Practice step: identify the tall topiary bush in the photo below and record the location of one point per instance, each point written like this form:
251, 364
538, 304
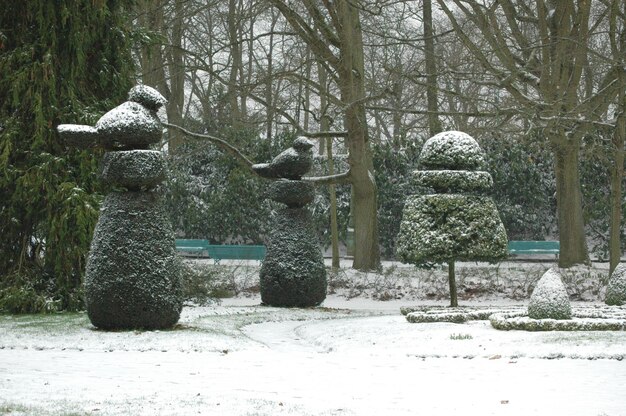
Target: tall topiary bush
60, 60
456, 221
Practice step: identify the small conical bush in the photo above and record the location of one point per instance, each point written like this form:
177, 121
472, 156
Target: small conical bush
616, 288
549, 299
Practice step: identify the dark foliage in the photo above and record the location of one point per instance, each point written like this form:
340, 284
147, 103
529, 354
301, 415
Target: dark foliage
293, 272
62, 61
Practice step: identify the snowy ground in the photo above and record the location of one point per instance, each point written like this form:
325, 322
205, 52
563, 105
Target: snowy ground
355, 356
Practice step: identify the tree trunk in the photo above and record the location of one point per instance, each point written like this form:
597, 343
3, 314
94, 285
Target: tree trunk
351, 79
235, 53
151, 16
617, 176
434, 125
269, 94
569, 205
334, 232
454, 301
176, 99
325, 126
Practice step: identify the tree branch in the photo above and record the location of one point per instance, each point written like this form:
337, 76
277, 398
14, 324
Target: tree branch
337, 179
222, 144
340, 178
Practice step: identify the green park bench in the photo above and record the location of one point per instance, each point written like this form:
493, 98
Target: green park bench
527, 248
197, 247
235, 252
221, 251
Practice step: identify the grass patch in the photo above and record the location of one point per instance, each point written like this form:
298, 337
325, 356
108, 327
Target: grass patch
459, 337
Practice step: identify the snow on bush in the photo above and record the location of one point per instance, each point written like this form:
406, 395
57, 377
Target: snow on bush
454, 315
549, 300
583, 319
76, 135
133, 169
441, 228
132, 276
293, 272
452, 150
129, 125
146, 96
293, 193
454, 180
616, 288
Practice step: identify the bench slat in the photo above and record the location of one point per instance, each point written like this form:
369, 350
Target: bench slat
236, 252
222, 251
534, 247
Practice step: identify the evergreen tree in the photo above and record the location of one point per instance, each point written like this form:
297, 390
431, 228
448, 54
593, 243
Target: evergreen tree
62, 61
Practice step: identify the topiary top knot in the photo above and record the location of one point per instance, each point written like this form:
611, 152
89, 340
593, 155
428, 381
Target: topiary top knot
452, 150
146, 96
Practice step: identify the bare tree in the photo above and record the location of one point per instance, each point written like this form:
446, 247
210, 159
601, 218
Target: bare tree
336, 40
617, 40
162, 59
536, 52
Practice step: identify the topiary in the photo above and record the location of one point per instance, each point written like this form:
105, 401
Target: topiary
616, 287
549, 300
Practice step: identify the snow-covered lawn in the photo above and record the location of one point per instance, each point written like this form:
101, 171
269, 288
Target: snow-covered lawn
351, 357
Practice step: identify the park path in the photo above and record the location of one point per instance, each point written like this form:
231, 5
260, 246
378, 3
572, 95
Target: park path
322, 367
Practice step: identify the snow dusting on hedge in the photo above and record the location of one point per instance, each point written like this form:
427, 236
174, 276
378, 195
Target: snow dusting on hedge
616, 288
549, 299
452, 150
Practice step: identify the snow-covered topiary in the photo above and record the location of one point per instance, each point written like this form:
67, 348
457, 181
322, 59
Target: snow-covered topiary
549, 300
76, 135
146, 96
451, 150
451, 225
594, 318
133, 169
128, 126
292, 193
447, 227
293, 272
616, 287
132, 276
454, 180
291, 163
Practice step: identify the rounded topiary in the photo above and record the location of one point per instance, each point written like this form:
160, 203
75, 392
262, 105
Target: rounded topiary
293, 193
549, 300
133, 273
452, 150
616, 287
133, 169
293, 272
146, 96
446, 227
128, 126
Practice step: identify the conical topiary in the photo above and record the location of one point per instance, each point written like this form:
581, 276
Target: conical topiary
549, 300
616, 288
